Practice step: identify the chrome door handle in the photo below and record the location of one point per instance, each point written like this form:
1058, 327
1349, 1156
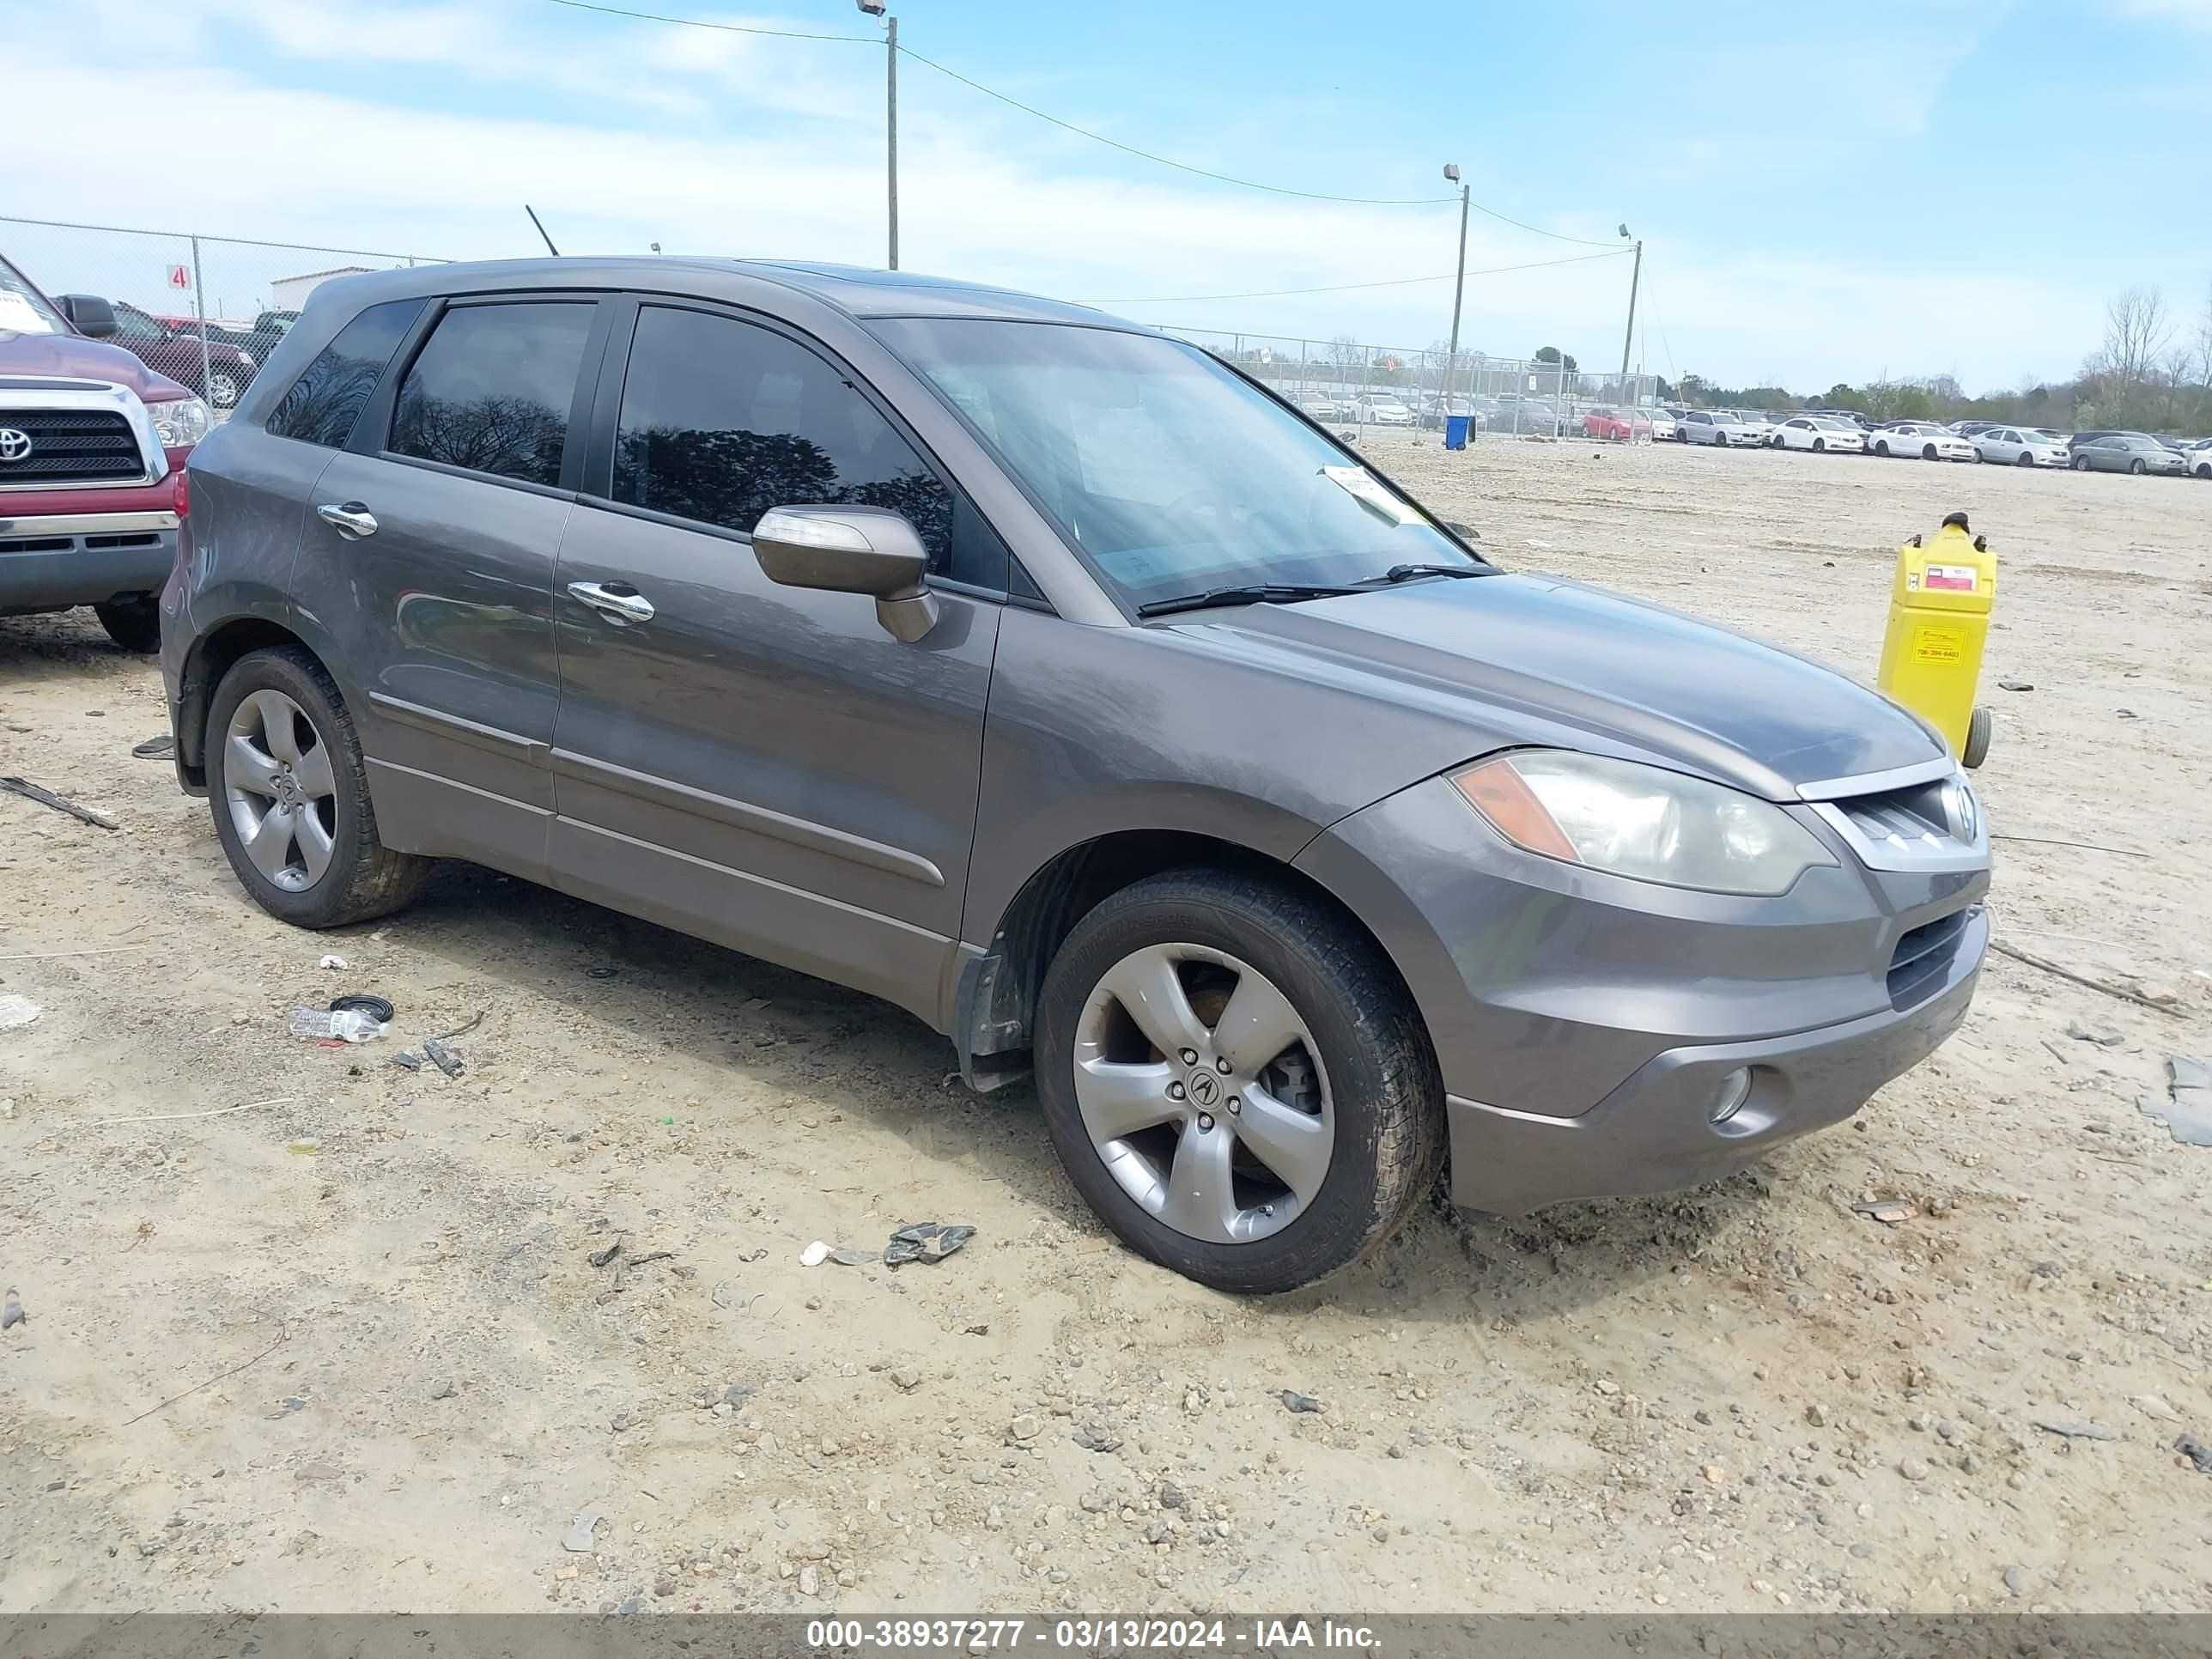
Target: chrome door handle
615, 607
351, 519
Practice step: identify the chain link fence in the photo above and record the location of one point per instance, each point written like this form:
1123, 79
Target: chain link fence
1343, 379
206, 311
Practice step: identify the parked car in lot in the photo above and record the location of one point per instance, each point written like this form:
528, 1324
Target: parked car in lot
1663, 427
2198, 458
1923, 439
1321, 409
1122, 726
1754, 422
1715, 426
2127, 451
1383, 409
175, 352
1819, 433
1620, 425
93, 444
2020, 445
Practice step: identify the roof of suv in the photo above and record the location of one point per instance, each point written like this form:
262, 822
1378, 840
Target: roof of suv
857, 290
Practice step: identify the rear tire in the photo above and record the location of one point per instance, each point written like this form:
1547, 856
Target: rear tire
1367, 1073
332, 869
1976, 749
133, 624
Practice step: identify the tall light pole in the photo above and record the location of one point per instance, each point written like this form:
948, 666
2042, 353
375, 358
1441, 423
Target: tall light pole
1458, 288
1635, 280
876, 8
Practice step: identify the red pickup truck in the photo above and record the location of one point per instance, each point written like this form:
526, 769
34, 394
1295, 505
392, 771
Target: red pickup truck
92, 444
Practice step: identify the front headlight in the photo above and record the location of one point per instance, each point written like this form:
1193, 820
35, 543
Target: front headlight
180, 423
1641, 821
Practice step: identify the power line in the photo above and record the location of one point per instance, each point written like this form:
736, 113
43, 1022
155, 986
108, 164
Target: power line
1085, 132
1347, 288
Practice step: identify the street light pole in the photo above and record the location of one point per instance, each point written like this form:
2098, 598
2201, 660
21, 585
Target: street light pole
1458, 288
876, 8
1635, 281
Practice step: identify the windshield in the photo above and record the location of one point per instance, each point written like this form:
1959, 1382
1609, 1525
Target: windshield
23, 309
1167, 471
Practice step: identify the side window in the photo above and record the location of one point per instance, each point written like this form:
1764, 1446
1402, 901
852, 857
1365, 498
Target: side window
722, 420
331, 391
491, 390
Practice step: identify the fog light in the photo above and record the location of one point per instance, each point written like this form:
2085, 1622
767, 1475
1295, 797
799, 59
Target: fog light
1735, 1089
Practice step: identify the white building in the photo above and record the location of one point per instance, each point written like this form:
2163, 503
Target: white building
290, 293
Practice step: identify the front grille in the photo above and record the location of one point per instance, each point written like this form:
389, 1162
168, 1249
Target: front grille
1916, 967
72, 446
1913, 815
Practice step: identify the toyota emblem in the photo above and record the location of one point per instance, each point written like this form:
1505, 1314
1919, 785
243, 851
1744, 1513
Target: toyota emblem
14, 445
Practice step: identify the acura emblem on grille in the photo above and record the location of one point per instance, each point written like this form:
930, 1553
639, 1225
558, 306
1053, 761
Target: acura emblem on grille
14, 446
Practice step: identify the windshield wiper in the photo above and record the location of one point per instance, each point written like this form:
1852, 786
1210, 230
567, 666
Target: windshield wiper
1249, 593
1402, 573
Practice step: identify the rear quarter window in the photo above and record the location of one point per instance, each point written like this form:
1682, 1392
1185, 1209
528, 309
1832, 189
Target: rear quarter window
324, 402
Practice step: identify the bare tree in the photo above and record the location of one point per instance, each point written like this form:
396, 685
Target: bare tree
1348, 354
2204, 341
2136, 330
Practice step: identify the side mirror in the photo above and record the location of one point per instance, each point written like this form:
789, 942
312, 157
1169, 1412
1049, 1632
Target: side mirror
851, 550
88, 314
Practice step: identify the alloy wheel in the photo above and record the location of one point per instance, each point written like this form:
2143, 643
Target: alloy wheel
281, 791
222, 389
1203, 1093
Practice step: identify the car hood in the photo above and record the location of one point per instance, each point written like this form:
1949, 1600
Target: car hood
1532, 658
71, 357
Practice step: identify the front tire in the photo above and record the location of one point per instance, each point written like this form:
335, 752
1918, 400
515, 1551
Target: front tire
1309, 1116
289, 790
2137, 468
1928, 451
133, 624
1882, 449
2024, 459
1820, 445
2081, 462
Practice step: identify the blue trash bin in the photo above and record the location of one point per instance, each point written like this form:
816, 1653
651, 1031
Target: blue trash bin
1455, 431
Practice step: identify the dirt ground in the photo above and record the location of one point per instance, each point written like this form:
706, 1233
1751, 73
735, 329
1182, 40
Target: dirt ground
345, 1348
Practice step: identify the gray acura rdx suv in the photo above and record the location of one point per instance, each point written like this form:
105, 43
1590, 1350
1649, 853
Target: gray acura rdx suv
1048, 678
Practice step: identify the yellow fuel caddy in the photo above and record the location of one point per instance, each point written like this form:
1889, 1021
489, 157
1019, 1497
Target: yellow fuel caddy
1939, 612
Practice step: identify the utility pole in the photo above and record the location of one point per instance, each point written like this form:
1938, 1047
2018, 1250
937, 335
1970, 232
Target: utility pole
1459, 288
1635, 280
876, 8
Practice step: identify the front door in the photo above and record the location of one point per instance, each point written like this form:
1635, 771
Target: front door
760, 765
429, 557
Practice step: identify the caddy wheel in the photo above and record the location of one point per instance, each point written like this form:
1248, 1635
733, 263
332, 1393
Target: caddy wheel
1235, 1081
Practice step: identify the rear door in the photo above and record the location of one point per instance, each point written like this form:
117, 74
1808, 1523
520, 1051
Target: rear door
760, 765
428, 559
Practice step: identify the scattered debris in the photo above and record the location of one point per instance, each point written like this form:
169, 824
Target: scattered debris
2016, 685
600, 1258
155, 747
2186, 1109
912, 1242
814, 1255
2015, 1582
2079, 845
846, 1257
334, 963
580, 1525
2119, 991
2196, 1451
1888, 1211
16, 1013
603, 971
2073, 1428
446, 1059
59, 803
12, 1314
376, 1007
408, 1060
442, 1388
180, 1117
2127, 713
1098, 1438
462, 1030
1293, 1401
294, 1403
2102, 1039
348, 1025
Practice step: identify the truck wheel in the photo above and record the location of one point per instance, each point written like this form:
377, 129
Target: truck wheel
222, 388
1978, 739
133, 624
1235, 1081
289, 790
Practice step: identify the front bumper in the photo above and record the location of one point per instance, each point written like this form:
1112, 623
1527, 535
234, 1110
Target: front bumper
1652, 1134
49, 561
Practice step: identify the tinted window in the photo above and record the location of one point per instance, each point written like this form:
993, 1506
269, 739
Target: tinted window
491, 390
722, 420
331, 391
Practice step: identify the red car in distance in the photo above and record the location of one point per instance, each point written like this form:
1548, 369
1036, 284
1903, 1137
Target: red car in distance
1603, 423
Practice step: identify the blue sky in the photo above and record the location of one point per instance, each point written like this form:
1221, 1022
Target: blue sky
1826, 191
